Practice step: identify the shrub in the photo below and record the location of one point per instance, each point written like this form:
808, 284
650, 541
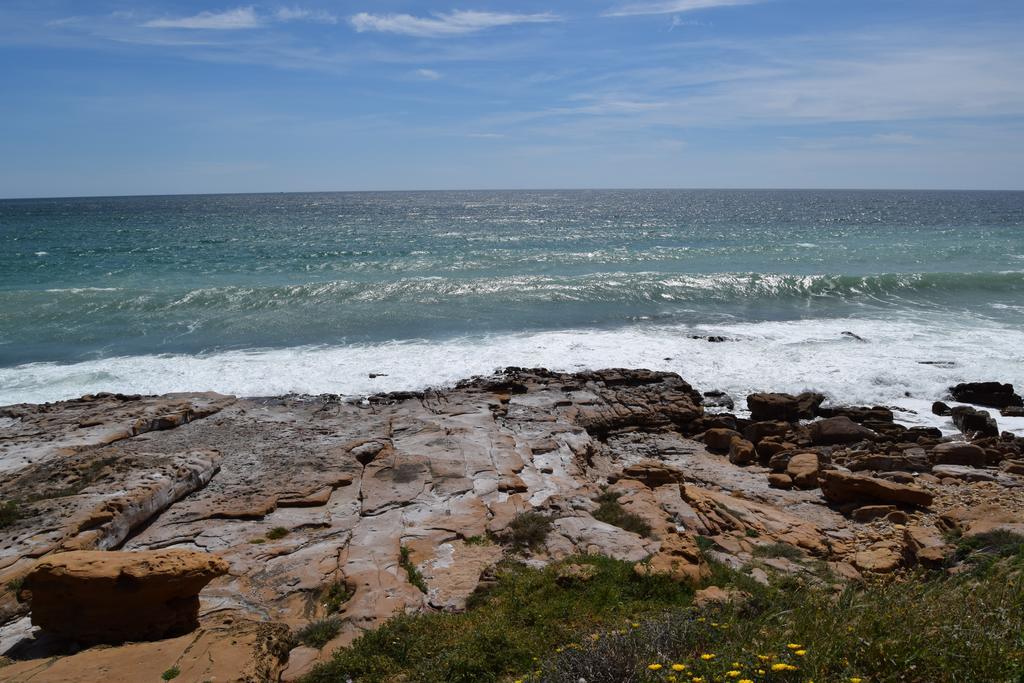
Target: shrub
528, 530
319, 633
415, 578
9, 513
611, 512
777, 550
335, 596
276, 533
171, 673
477, 540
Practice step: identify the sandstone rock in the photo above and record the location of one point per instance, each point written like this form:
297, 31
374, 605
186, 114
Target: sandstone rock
780, 481
990, 394
841, 487
958, 453
880, 558
837, 430
773, 406
962, 472
755, 432
803, 470
925, 545
741, 451
982, 519
714, 595
884, 462
653, 473
1012, 466
866, 513
678, 558
111, 597
719, 439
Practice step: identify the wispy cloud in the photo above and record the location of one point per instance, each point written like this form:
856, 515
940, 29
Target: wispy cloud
440, 25
238, 18
303, 14
428, 74
672, 7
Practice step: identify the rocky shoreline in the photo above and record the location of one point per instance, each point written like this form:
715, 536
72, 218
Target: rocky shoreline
286, 512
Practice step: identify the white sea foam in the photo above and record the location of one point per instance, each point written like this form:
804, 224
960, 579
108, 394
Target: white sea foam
887, 368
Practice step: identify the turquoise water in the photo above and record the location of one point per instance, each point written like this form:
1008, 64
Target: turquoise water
107, 292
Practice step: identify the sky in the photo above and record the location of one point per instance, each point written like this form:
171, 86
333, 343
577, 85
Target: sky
158, 97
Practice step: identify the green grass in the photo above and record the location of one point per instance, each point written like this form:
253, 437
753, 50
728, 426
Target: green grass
477, 540
9, 513
777, 550
930, 627
611, 512
335, 596
276, 533
415, 578
528, 530
526, 614
171, 673
319, 633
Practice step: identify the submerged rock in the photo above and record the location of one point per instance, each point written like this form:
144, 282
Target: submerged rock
989, 394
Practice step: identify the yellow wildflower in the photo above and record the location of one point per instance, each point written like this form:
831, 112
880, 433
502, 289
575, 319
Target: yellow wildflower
732, 674
794, 646
764, 658
654, 667
635, 624
780, 667
679, 667
707, 656
746, 680
697, 679
799, 653
856, 680
760, 672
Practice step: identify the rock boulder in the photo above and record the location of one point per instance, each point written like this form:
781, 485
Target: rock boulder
844, 487
113, 597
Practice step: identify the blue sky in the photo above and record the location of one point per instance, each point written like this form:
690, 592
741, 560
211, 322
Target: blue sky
150, 96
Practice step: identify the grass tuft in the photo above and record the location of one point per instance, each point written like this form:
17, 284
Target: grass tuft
334, 596
171, 674
277, 532
319, 633
415, 578
528, 530
611, 512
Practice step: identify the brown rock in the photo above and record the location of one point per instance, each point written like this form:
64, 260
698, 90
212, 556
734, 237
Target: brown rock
879, 558
841, 487
570, 574
653, 473
111, 597
780, 481
719, 438
803, 470
679, 558
958, 453
925, 545
1012, 466
837, 430
741, 451
713, 595
866, 513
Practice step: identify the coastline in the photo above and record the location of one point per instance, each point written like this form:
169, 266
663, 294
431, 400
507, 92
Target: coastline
361, 490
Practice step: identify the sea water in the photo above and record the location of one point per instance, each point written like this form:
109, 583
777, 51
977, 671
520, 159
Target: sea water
870, 297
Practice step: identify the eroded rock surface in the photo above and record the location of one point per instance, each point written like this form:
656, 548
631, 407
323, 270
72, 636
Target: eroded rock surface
359, 510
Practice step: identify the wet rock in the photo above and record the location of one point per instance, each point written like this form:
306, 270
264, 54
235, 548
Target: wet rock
837, 430
785, 407
1012, 411
975, 423
940, 408
989, 394
718, 399
842, 487
111, 597
859, 414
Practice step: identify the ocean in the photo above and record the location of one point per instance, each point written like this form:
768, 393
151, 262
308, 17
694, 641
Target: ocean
871, 297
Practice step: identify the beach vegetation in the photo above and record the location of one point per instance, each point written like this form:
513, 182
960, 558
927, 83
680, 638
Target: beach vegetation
276, 533
610, 511
528, 530
319, 633
411, 571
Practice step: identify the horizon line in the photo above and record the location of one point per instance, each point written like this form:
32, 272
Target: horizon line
514, 189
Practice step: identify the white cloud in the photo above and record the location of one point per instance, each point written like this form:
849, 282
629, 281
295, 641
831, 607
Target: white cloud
238, 18
439, 25
302, 14
428, 74
672, 7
